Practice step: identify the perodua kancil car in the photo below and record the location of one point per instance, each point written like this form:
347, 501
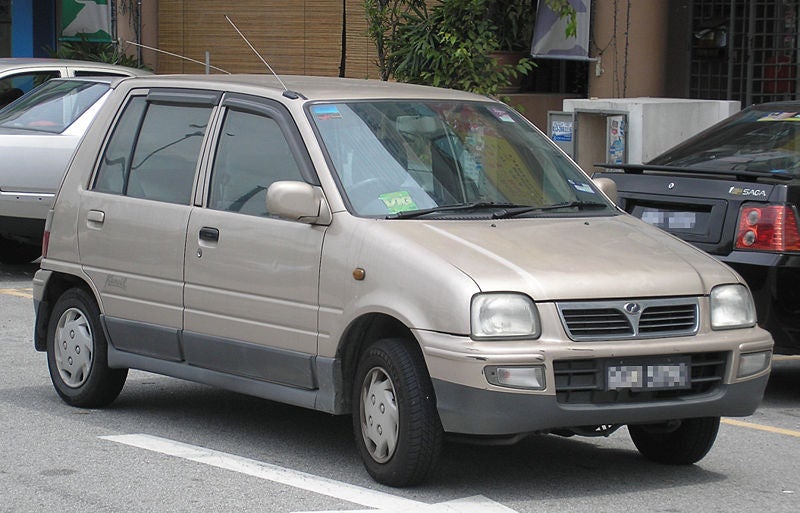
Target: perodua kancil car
422, 259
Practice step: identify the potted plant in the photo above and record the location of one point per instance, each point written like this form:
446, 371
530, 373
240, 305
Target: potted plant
452, 44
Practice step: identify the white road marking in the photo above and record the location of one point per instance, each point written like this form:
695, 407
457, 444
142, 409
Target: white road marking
384, 502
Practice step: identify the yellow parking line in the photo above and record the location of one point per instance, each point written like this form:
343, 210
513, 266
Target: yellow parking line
26, 293
761, 427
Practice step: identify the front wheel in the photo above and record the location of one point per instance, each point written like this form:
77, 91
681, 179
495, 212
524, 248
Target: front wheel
397, 427
77, 353
685, 444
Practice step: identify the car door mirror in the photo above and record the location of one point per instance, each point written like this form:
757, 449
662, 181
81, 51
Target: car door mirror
609, 188
298, 201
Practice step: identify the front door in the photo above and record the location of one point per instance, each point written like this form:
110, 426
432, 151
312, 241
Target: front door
251, 299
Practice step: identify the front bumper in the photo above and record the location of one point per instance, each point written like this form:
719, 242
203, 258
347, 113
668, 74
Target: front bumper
468, 404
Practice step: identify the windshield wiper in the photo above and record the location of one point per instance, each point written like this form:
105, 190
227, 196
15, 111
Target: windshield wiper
580, 205
408, 214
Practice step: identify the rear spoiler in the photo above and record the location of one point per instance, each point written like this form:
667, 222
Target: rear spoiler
738, 173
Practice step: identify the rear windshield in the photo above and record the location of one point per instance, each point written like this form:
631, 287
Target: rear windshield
755, 140
53, 106
394, 158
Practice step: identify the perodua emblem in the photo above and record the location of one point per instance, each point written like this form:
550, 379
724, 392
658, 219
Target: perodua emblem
633, 308
671, 185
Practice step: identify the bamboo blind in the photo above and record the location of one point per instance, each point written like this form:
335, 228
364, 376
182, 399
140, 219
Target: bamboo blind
302, 37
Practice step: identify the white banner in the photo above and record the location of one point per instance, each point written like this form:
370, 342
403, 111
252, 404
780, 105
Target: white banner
549, 33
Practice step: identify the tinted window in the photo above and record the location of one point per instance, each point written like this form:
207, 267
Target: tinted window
115, 164
252, 154
755, 140
154, 151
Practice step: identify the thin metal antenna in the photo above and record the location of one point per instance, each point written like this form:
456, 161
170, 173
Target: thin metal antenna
286, 89
178, 56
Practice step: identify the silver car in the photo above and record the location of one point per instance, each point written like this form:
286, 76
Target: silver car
421, 259
38, 135
20, 75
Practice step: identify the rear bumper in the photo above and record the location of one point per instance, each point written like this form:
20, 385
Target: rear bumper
774, 280
22, 215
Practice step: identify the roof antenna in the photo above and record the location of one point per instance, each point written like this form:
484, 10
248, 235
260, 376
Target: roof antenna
286, 92
178, 56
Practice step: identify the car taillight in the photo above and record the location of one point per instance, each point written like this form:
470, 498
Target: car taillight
768, 228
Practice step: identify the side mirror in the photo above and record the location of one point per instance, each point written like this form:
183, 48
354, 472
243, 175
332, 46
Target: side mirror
608, 186
298, 201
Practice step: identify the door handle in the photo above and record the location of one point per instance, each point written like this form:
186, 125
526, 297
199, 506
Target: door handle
209, 234
96, 216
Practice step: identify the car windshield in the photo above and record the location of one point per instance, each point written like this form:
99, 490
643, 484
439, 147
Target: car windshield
754, 140
413, 158
53, 106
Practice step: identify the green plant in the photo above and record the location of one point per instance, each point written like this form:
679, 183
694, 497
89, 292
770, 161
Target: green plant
513, 22
450, 45
85, 50
383, 19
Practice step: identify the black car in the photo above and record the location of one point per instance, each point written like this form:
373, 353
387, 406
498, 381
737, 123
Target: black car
733, 191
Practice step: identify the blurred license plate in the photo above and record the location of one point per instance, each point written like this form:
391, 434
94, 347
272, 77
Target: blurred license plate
648, 376
669, 219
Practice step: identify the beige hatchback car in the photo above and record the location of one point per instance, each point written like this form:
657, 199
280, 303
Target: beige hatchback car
422, 259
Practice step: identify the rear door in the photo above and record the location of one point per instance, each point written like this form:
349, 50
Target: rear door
251, 297
132, 222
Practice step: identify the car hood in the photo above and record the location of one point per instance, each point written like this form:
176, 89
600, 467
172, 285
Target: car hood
570, 258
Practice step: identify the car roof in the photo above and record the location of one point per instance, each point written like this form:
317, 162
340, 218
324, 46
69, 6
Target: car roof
312, 87
16, 63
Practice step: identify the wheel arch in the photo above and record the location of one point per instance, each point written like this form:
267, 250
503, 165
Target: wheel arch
359, 335
57, 284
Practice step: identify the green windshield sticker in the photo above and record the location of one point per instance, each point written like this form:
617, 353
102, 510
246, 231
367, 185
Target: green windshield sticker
399, 201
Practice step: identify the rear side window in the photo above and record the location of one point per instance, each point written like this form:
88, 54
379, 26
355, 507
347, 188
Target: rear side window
154, 150
252, 154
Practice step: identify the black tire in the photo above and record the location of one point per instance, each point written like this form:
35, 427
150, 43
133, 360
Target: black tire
77, 353
393, 401
16, 253
686, 445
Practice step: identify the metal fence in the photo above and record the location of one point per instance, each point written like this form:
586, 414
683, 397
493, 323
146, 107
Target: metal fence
744, 50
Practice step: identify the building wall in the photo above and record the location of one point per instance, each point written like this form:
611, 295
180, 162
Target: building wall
630, 38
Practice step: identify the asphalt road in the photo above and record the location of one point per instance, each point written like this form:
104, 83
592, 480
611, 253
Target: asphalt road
172, 446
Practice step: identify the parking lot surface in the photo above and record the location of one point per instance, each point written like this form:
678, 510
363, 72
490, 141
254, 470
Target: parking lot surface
169, 445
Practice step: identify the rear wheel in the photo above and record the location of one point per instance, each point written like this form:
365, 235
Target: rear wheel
397, 427
77, 353
684, 444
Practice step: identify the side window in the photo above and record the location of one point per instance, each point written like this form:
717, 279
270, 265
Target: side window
252, 154
116, 160
153, 151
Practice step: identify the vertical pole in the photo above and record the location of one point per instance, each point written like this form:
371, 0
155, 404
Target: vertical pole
730, 49
208, 62
139, 32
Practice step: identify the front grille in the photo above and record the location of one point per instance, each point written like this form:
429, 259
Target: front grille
645, 318
583, 381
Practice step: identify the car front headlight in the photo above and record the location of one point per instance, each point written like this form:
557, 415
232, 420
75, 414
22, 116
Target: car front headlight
732, 307
503, 315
